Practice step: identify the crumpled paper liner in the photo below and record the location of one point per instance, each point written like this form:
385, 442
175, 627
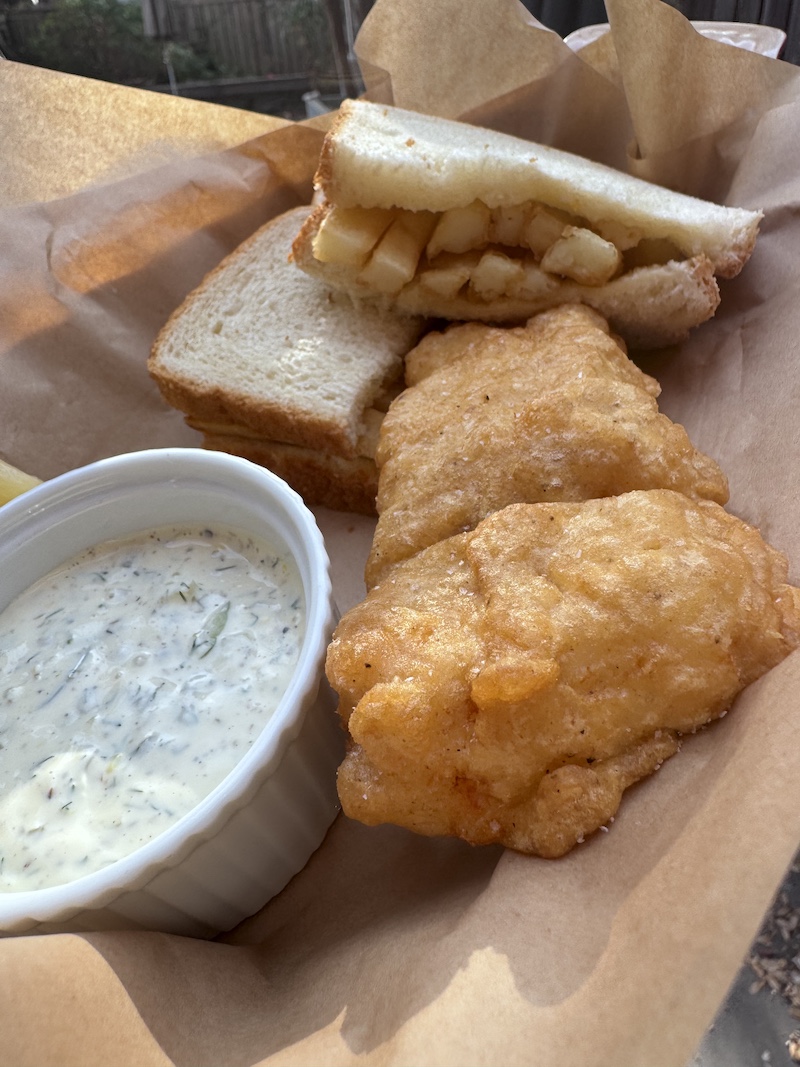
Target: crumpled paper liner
389, 948
72, 132
87, 281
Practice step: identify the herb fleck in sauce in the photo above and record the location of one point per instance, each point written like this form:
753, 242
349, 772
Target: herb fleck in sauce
132, 680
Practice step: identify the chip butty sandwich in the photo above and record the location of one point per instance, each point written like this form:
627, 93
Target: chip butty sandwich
271, 365
442, 219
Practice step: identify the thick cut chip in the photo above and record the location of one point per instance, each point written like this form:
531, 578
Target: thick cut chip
551, 411
496, 273
348, 235
583, 256
508, 684
394, 260
543, 229
461, 229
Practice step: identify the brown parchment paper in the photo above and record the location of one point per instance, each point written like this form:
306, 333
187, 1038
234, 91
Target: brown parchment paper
388, 948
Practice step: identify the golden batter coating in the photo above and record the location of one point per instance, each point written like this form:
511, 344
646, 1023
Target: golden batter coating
508, 684
552, 411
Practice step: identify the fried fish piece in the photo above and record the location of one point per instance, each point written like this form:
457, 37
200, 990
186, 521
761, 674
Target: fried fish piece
508, 684
552, 411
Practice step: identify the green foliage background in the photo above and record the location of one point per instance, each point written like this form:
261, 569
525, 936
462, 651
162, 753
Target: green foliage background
104, 39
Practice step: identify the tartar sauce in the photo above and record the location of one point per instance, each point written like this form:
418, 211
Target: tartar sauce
132, 680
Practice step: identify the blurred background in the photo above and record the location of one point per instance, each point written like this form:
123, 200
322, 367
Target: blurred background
281, 57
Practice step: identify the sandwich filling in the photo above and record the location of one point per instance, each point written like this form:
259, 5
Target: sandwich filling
522, 251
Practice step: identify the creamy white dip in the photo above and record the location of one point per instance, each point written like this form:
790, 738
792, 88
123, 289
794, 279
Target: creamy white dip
132, 680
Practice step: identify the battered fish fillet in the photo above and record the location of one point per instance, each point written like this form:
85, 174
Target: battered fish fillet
550, 411
508, 684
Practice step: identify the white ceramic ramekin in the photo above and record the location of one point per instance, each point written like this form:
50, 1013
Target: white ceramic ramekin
240, 846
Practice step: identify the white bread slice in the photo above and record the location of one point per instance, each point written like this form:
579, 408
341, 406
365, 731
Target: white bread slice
344, 484
668, 247
380, 156
366, 443
338, 482
261, 345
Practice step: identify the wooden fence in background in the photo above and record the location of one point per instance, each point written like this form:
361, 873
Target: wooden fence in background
243, 38
256, 37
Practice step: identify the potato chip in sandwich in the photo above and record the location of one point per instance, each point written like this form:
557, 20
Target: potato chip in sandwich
443, 219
